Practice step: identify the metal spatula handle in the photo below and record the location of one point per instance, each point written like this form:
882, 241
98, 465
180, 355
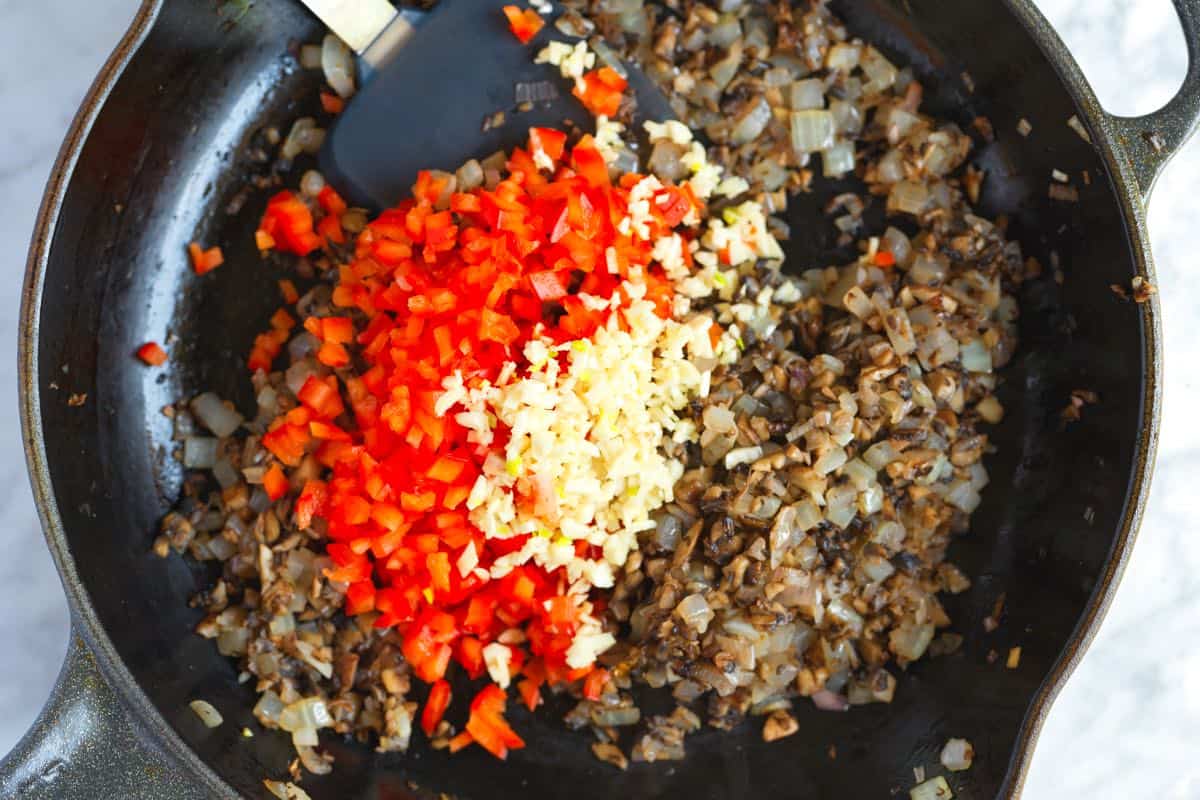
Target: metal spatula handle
371, 28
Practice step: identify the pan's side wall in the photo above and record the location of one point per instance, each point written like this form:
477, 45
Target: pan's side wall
161, 164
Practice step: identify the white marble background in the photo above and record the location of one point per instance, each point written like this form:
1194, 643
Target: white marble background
1127, 724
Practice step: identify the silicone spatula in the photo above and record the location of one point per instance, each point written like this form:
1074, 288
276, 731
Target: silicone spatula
431, 85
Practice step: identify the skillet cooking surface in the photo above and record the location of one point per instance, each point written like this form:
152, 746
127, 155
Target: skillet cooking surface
169, 149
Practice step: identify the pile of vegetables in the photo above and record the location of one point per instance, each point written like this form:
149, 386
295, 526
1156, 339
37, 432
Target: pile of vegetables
453, 283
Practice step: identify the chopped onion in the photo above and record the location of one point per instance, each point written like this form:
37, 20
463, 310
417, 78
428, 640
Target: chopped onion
311, 183
860, 473
838, 160
666, 160
840, 509
829, 701
890, 168
812, 130
770, 173
932, 789
990, 410
900, 123
268, 708
200, 452
185, 425
337, 62
751, 122
695, 612
890, 534
309, 712
615, 717
207, 714
282, 624
286, 791
937, 347
843, 613
899, 330
233, 642
910, 640
298, 374
213, 414
785, 534
877, 568
929, 269
667, 531
957, 755
847, 117
962, 496
843, 56
311, 140
307, 653
830, 460
856, 302
226, 475
807, 94
808, 515
470, 175
267, 400
777, 77
303, 344
896, 242
909, 197
305, 737
719, 419
742, 455
975, 356
726, 32
293, 145
870, 501
880, 72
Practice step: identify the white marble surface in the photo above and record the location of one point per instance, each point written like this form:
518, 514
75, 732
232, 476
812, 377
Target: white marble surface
1126, 725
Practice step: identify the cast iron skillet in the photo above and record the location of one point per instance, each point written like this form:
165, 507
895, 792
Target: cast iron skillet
153, 157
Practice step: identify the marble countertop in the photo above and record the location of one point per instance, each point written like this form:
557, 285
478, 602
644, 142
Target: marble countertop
1126, 724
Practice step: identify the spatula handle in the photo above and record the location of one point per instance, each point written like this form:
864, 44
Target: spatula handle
358, 23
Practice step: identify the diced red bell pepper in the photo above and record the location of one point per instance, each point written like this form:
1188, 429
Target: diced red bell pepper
205, 261
594, 683
548, 141
289, 223
153, 354
275, 483
600, 91
288, 290
524, 24
360, 598
468, 651
435, 706
487, 725
332, 103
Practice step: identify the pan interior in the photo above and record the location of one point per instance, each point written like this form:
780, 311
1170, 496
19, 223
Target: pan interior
153, 179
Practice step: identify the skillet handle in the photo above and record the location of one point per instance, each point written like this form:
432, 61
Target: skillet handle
1149, 142
84, 746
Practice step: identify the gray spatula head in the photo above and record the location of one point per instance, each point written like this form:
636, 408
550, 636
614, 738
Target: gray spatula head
426, 107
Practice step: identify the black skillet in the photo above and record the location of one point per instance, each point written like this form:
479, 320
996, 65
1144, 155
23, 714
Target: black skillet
154, 156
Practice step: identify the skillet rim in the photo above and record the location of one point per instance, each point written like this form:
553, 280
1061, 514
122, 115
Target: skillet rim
86, 624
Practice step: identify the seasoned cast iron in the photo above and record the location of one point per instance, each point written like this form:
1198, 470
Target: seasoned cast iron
151, 161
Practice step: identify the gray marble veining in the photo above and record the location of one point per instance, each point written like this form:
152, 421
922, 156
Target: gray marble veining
1126, 724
